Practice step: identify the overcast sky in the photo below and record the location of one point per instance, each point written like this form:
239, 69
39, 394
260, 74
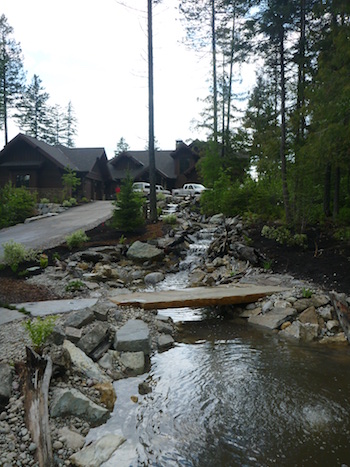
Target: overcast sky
94, 53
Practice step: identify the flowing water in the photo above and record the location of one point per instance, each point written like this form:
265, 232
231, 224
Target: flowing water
229, 394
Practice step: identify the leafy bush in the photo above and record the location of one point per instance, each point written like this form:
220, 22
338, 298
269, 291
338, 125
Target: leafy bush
16, 204
43, 260
76, 239
44, 201
39, 330
128, 215
16, 253
170, 219
73, 201
284, 236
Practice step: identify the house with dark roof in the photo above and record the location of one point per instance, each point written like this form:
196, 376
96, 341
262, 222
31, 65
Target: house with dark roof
173, 168
26, 161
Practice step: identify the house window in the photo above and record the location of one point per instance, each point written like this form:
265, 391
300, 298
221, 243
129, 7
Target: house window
22, 180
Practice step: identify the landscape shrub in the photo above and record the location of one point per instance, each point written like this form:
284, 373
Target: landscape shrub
284, 236
16, 253
76, 239
44, 201
39, 330
170, 219
128, 213
16, 204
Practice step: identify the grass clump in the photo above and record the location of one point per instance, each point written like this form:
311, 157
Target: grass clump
76, 239
74, 286
39, 330
170, 219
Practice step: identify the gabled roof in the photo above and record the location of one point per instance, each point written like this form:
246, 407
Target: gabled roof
52, 152
83, 158
163, 162
78, 159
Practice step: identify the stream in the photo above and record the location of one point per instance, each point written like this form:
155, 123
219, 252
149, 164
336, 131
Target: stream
229, 394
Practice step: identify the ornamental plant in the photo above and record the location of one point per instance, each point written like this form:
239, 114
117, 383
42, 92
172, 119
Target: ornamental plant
128, 215
76, 239
39, 330
16, 253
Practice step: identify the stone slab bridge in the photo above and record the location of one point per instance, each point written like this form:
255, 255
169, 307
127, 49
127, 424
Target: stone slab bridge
195, 296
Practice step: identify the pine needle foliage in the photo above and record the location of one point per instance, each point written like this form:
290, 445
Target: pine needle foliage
128, 213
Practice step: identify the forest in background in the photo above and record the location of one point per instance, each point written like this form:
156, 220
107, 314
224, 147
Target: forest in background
294, 134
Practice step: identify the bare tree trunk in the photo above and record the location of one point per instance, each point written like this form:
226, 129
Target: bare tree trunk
327, 191
152, 165
336, 193
215, 87
283, 131
229, 98
38, 375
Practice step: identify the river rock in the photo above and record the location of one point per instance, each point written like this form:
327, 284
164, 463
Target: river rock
140, 251
306, 332
97, 452
217, 219
5, 384
153, 278
107, 394
84, 364
134, 362
96, 337
274, 318
73, 402
134, 336
71, 439
80, 318
308, 316
165, 341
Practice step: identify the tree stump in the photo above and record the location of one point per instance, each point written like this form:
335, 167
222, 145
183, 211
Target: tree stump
36, 392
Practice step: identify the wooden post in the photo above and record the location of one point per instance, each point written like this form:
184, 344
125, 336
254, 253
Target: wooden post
343, 312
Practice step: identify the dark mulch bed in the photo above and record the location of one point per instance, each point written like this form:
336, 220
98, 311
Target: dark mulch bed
325, 261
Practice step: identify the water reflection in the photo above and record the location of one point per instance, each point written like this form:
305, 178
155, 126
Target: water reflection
238, 397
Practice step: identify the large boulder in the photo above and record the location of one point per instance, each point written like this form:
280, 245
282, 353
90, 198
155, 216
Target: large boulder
274, 318
306, 332
84, 364
96, 337
140, 251
134, 362
73, 402
134, 336
97, 452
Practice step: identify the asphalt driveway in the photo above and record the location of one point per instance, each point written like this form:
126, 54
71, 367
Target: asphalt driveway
49, 232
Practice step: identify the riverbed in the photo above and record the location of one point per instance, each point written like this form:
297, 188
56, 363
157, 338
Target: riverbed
231, 394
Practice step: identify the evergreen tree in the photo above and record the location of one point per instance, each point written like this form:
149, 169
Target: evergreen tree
11, 73
127, 214
69, 125
34, 112
122, 146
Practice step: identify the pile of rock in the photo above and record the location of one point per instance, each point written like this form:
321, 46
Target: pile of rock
294, 315
89, 349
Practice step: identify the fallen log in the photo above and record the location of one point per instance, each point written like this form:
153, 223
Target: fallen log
36, 393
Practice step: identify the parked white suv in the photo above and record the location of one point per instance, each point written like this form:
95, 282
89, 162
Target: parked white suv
143, 187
